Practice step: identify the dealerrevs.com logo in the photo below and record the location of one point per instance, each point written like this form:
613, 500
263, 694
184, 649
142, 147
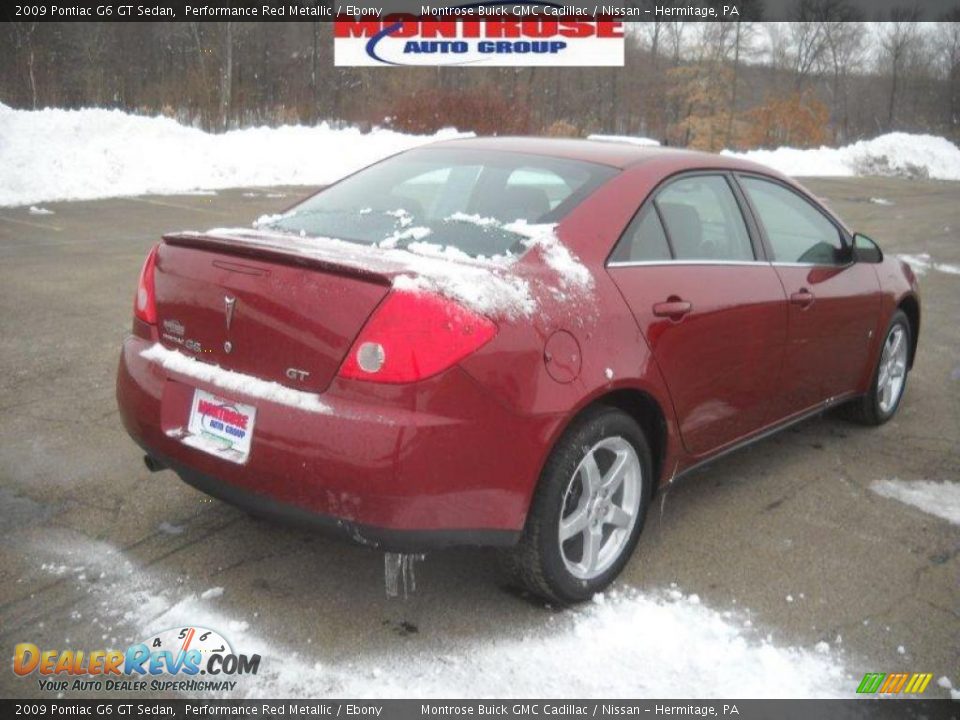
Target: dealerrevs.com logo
399, 41
185, 659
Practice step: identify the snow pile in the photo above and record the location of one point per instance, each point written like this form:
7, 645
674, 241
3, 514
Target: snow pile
945, 683
894, 154
937, 498
922, 262
213, 592
234, 381
86, 154
53, 154
625, 644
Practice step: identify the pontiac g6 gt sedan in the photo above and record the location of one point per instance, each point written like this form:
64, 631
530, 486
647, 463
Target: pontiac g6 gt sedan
510, 342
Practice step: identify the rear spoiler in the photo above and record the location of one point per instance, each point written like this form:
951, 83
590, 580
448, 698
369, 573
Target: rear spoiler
274, 251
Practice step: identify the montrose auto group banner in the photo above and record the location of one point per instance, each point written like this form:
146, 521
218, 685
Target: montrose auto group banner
489, 43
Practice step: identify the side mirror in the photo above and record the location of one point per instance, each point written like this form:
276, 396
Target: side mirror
866, 250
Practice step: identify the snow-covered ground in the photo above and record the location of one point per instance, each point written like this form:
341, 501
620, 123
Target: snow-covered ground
625, 644
937, 498
897, 154
922, 262
49, 155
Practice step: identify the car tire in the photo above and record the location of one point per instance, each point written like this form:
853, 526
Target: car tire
567, 572
876, 408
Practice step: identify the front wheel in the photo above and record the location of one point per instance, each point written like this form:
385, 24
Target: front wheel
588, 509
889, 377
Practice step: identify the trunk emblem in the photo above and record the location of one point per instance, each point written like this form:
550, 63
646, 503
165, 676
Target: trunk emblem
174, 327
297, 374
229, 303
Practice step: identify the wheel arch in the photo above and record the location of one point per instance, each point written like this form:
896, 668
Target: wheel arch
644, 408
911, 308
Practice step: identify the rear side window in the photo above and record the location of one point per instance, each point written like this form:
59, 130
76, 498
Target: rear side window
644, 240
703, 220
796, 230
546, 184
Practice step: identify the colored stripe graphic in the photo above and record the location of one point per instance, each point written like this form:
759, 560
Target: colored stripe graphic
893, 683
871, 682
918, 683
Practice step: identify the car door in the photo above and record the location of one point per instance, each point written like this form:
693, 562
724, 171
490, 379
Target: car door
713, 314
833, 302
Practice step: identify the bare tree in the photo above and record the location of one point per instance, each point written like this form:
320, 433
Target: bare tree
23, 34
807, 42
751, 11
948, 51
898, 38
845, 50
226, 75
674, 32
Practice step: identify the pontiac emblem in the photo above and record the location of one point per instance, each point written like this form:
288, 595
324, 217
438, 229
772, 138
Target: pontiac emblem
229, 303
174, 327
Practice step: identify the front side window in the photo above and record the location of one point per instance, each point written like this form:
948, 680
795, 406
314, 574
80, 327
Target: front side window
459, 198
796, 230
703, 220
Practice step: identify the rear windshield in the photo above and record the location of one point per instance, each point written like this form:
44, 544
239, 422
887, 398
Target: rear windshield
460, 198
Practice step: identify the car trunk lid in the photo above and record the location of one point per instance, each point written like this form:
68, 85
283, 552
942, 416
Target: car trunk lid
262, 308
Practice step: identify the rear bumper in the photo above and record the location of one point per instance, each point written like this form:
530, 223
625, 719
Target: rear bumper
379, 537
401, 469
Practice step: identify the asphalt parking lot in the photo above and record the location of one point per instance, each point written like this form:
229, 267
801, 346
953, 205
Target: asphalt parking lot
791, 516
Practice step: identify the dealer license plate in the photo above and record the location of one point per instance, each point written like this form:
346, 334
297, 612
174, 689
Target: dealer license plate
220, 427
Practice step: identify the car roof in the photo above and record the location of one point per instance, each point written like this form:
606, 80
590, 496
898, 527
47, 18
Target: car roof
615, 153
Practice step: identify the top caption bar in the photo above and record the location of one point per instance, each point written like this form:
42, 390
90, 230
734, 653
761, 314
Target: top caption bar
287, 10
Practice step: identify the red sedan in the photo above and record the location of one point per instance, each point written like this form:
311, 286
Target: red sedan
509, 342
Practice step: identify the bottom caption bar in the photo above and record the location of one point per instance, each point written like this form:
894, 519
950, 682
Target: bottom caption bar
423, 709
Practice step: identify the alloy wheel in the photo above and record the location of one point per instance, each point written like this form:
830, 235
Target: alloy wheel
893, 369
600, 508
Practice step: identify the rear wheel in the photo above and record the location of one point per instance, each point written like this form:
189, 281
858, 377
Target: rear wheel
889, 377
588, 509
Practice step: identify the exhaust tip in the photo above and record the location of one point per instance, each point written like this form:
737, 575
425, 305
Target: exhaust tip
153, 465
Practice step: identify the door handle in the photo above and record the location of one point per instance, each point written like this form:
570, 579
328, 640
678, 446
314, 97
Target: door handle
804, 298
674, 308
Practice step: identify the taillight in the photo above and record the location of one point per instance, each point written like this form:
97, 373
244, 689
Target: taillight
413, 336
145, 303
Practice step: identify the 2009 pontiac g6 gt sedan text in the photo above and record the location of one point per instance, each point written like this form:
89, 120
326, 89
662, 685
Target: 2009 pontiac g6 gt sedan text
508, 342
